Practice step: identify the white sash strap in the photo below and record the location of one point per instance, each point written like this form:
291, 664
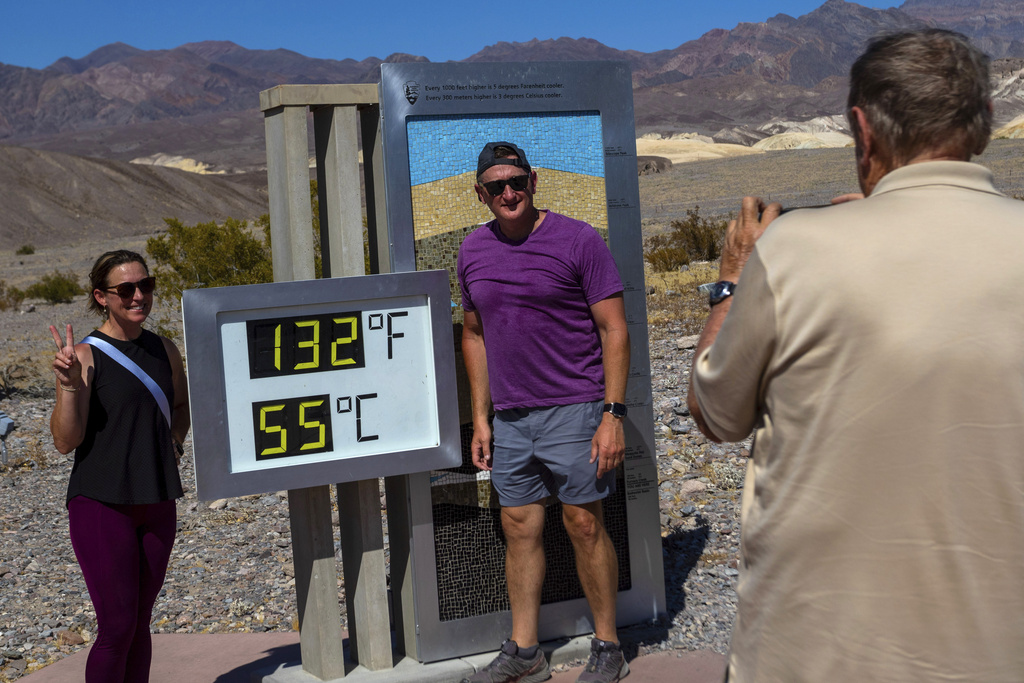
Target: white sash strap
130, 365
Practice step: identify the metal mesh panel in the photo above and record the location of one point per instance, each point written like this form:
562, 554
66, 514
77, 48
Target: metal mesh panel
470, 546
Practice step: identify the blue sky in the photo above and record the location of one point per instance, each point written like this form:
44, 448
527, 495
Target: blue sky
36, 34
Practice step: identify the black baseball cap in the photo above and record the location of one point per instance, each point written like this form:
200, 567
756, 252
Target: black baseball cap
487, 158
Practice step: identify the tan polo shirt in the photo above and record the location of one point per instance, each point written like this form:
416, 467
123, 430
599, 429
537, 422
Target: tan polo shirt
877, 348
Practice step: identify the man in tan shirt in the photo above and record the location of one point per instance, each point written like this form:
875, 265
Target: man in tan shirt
876, 348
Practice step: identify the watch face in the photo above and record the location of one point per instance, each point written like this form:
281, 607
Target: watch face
616, 409
721, 291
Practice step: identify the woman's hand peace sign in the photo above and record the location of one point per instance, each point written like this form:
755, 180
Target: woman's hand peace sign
66, 365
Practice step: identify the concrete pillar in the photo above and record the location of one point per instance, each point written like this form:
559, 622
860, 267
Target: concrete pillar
366, 590
291, 219
337, 171
316, 582
376, 204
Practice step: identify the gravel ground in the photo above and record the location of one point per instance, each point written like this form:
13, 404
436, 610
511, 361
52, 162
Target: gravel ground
231, 566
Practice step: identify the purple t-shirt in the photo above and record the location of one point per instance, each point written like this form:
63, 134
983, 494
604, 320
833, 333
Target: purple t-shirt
533, 298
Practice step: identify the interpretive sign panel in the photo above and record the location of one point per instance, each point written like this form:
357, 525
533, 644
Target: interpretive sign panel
574, 121
295, 384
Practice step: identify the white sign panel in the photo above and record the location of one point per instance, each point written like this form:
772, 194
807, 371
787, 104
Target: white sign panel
293, 382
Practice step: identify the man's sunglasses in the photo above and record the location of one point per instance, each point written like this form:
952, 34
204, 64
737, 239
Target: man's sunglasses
126, 290
518, 183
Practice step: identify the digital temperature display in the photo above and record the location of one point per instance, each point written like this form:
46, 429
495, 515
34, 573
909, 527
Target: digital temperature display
297, 426
290, 346
301, 379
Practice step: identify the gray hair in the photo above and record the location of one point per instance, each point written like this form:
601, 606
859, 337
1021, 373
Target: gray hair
923, 91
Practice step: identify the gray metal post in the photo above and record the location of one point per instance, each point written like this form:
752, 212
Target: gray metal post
362, 535
376, 202
291, 221
316, 582
400, 513
337, 170
366, 590
291, 218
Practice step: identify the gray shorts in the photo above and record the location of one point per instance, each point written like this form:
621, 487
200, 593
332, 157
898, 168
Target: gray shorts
541, 452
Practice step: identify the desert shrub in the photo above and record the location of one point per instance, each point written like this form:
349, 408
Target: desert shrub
221, 255
231, 253
56, 288
664, 254
674, 305
695, 238
10, 297
210, 255
8, 377
21, 375
26, 250
205, 255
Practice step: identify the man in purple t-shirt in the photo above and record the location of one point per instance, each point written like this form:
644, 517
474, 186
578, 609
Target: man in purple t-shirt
545, 342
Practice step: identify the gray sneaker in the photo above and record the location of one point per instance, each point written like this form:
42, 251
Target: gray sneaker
509, 667
607, 664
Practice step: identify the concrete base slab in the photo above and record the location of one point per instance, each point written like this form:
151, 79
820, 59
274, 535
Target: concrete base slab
408, 670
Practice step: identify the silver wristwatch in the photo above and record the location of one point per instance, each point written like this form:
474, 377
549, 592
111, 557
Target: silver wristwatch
721, 291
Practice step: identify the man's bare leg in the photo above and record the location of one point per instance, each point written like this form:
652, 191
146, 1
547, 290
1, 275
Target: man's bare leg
524, 568
596, 564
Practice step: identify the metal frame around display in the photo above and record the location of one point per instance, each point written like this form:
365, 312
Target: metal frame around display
605, 88
206, 310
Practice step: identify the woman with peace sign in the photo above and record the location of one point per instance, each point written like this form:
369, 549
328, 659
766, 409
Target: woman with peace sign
122, 406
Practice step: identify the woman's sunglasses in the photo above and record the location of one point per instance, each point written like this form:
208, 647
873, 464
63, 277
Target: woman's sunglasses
126, 290
518, 183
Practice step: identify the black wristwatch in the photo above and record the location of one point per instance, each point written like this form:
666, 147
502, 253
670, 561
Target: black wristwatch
721, 291
617, 410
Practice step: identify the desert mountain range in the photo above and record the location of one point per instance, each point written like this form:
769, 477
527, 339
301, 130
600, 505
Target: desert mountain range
196, 106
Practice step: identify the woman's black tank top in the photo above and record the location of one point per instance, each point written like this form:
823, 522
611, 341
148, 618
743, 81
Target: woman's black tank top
127, 455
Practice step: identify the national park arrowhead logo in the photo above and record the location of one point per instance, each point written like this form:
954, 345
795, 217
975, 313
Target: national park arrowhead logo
412, 91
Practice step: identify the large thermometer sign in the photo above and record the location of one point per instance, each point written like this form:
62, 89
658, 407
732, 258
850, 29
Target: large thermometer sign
298, 384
